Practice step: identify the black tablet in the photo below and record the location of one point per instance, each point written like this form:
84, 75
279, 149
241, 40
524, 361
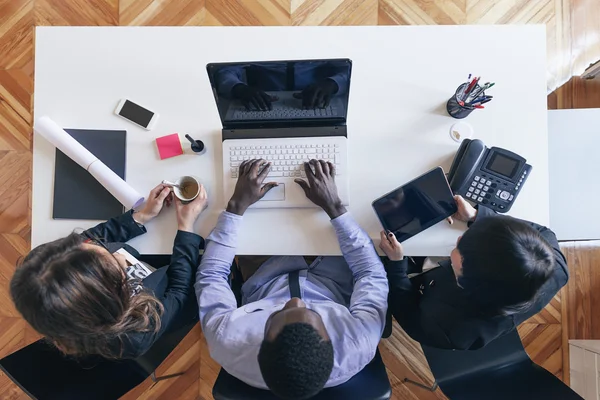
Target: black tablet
416, 206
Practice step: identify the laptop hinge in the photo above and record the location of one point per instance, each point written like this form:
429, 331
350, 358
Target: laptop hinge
277, 133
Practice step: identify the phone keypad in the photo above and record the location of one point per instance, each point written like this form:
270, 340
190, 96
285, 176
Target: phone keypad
480, 190
493, 191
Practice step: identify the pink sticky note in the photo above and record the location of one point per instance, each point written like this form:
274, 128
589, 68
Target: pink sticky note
169, 146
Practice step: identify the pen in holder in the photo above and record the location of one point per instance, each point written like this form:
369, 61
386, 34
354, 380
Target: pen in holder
196, 146
456, 106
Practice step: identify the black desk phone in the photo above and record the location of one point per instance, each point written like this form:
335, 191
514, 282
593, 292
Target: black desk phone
492, 177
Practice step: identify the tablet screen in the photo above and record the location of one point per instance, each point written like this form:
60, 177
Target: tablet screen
417, 205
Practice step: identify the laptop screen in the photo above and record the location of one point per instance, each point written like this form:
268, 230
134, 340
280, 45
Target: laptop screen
276, 92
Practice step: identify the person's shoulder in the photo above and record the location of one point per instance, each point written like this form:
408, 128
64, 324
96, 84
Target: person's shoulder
344, 328
132, 344
353, 349
244, 326
560, 271
475, 333
549, 289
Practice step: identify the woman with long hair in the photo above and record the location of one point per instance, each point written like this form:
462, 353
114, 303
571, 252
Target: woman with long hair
502, 271
89, 294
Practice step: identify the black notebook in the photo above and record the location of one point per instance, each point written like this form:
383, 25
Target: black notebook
77, 194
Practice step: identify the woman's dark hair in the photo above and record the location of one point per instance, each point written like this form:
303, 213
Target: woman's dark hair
297, 364
505, 264
80, 299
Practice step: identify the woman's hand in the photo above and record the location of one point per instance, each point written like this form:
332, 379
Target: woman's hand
187, 214
466, 212
159, 196
391, 247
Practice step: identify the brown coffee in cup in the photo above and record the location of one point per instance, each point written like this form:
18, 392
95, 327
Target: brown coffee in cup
188, 189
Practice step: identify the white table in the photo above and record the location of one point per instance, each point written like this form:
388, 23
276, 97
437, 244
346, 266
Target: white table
397, 123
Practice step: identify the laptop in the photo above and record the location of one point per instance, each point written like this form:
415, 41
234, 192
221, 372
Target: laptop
286, 112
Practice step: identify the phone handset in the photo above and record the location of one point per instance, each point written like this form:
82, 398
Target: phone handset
465, 162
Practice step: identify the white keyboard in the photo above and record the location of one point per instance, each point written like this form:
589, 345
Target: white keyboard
287, 157
286, 160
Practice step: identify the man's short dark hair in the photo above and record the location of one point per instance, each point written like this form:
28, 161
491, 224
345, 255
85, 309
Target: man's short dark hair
505, 264
297, 364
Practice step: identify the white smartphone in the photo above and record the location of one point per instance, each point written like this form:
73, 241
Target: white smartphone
137, 114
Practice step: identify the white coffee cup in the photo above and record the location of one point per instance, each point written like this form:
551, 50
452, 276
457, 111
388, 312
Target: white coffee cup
189, 188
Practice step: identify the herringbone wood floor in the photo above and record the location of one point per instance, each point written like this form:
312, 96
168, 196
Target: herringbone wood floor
543, 335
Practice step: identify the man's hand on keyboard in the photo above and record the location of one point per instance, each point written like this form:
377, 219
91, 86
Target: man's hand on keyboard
252, 97
321, 188
249, 187
318, 94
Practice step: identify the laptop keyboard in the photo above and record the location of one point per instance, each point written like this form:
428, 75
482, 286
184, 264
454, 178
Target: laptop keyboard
286, 160
283, 113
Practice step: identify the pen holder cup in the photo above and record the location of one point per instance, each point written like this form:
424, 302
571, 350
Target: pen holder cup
454, 108
198, 150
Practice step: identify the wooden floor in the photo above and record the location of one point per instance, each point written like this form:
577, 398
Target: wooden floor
573, 27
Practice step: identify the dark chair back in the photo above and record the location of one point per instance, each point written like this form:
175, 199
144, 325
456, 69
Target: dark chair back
499, 371
161, 349
371, 383
42, 372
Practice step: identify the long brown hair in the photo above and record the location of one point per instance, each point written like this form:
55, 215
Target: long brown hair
80, 299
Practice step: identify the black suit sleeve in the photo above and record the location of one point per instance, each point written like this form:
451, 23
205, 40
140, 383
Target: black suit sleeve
118, 229
179, 291
404, 303
184, 261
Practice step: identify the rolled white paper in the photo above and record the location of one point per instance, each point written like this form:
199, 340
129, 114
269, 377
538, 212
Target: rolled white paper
112, 182
126, 195
64, 142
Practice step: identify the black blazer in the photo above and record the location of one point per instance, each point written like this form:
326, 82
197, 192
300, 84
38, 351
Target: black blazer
435, 311
172, 285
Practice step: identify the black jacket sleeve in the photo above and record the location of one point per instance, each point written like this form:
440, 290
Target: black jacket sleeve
184, 261
177, 295
404, 304
401, 290
118, 229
